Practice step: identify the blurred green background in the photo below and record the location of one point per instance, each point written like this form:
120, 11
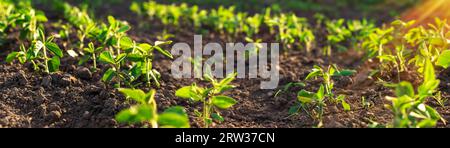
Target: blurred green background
379, 9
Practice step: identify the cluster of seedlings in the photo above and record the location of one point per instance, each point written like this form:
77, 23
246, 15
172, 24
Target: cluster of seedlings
292, 31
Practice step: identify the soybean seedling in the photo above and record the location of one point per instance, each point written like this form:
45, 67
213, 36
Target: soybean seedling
83, 31
144, 55
332, 71
39, 53
289, 86
316, 101
211, 98
146, 111
409, 108
51, 64
91, 54
310, 101
114, 71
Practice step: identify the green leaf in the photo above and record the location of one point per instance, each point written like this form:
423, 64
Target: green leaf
53, 64
344, 73
126, 43
174, 117
217, 117
438, 41
109, 75
40, 16
313, 74
228, 79
294, 109
98, 49
54, 49
429, 73
207, 75
135, 57
31, 53
120, 57
164, 52
11, 57
190, 92
136, 114
305, 97
111, 20
88, 50
176, 109
185, 92
404, 89
224, 88
144, 47
387, 58
160, 43
106, 57
136, 70
427, 123
223, 102
345, 105
434, 114
428, 88
321, 93
444, 59
173, 120
124, 28
135, 94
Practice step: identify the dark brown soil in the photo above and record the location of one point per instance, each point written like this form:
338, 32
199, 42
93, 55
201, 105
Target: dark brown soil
76, 97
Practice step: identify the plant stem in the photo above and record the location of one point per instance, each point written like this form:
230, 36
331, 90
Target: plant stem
154, 124
118, 53
147, 66
152, 101
118, 75
95, 61
206, 115
46, 60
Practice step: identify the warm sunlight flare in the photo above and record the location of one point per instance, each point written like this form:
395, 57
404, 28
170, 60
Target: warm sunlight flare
428, 10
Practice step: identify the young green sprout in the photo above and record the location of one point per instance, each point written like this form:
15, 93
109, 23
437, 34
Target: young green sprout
409, 108
91, 54
146, 111
332, 71
19, 55
114, 71
51, 64
211, 98
39, 52
143, 54
317, 101
83, 31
